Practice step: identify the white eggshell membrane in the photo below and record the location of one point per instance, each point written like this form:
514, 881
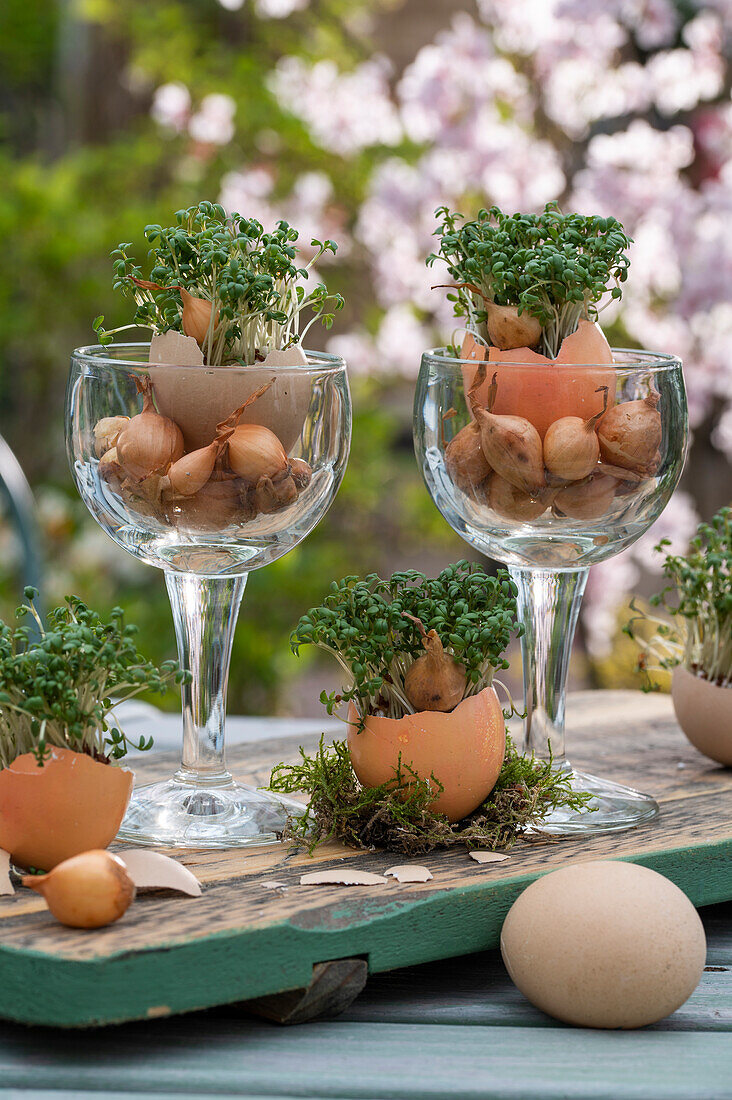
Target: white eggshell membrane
604, 944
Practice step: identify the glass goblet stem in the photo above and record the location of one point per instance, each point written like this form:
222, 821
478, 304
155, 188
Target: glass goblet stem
205, 610
548, 605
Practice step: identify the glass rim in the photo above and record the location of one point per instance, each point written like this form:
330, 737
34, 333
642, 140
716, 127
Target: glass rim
633, 359
98, 354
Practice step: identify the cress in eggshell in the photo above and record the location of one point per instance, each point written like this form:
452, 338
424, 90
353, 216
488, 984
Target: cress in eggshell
552, 433
421, 654
464, 748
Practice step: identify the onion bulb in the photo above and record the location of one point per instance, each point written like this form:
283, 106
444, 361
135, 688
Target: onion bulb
508, 329
302, 473
271, 495
571, 447
630, 435
86, 891
511, 444
436, 680
106, 432
464, 459
149, 442
589, 499
196, 316
512, 503
256, 452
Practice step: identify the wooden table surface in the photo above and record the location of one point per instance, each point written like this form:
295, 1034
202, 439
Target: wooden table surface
454, 1029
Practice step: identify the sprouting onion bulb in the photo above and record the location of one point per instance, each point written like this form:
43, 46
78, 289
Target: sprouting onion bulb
86, 891
196, 316
436, 680
149, 442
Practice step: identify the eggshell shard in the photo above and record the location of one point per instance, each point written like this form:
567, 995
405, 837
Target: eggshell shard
152, 870
6, 886
604, 944
294, 356
344, 876
487, 857
409, 872
176, 350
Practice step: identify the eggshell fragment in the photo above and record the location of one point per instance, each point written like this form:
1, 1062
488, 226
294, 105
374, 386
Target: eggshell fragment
409, 872
6, 886
156, 871
270, 884
342, 876
175, 349
293, 356
487, 857
604, 944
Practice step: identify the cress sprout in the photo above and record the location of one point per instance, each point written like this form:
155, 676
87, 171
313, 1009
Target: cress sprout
59, 680
223, 279
552, 266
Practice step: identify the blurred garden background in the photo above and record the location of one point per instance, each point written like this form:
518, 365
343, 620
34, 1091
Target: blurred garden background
354, 119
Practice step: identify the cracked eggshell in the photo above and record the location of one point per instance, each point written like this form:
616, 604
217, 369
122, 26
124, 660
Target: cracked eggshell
487, 857
704, 712
530, 385
66, 806
604, 944
199, 399
464, 750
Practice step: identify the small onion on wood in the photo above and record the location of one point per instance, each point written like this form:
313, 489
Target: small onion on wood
86, 891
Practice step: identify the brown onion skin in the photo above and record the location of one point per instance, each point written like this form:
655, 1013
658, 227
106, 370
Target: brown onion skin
465, 461
630, 436
87, 891
508, 329
512, 446
590, 500
512, 503
255, 452
571, 448
149, 442
436, 680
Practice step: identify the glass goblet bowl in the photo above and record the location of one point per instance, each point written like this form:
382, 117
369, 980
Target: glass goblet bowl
206, 494
617, 464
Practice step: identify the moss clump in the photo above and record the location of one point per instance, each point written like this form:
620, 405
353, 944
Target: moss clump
396, 816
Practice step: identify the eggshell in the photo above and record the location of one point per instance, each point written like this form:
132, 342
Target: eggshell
535, 389
464, 750
604, 944
704, 712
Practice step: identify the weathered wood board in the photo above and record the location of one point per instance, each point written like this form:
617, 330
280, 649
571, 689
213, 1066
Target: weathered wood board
239, 940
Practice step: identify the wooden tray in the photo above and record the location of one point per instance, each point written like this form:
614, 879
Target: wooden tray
240, 941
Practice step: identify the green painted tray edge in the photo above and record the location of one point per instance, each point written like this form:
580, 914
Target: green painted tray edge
226, 967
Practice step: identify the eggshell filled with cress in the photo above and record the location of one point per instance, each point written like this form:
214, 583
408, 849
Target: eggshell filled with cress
463, 749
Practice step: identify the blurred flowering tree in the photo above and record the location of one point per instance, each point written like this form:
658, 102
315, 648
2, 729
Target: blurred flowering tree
354, 119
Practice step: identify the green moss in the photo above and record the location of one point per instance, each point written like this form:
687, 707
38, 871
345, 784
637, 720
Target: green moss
396, 815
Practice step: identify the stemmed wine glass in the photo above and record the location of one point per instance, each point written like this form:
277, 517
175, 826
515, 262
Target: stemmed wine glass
550, 536
261, 492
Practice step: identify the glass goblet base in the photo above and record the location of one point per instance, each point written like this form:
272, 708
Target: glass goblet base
613, 808
177, 814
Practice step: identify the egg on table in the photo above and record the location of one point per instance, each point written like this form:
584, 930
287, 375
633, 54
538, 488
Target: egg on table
604, 944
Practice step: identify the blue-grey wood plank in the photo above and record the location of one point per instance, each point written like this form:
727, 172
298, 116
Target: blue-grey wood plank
391, 1062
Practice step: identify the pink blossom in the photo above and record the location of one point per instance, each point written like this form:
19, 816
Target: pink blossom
213, 122
171, 106
345, 112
